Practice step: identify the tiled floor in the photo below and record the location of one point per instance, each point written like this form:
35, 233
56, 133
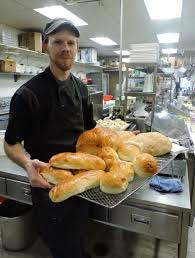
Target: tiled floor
113, 243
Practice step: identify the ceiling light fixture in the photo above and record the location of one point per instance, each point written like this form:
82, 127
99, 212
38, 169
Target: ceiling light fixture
169, 50
104, 41
124, 52
58, 11
167, 38
164, 9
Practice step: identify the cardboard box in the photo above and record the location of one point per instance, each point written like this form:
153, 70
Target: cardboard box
7, 65
22, 38
31, 40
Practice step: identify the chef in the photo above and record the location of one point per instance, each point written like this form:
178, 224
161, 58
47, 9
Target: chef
47, 115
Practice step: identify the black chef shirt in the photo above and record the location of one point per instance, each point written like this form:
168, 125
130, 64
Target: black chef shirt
31, 107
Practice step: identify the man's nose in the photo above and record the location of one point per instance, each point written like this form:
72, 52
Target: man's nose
65, 47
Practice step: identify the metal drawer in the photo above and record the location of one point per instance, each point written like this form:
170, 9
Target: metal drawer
19, 191
2, 186
157, 224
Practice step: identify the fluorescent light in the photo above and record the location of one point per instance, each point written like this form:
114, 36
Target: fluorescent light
167, 38
169, 50
58, 11
124, 52
164, 9
104, 41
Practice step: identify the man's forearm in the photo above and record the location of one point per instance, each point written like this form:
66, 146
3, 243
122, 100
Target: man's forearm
17, 154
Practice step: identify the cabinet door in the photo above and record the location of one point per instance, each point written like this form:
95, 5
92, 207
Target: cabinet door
157, 224
2, 186
19, 191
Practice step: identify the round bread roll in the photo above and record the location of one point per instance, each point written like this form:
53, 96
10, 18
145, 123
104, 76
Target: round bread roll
145, 165
153, 143
88, 148
109, 155
55, 176
76, 185
113, 183
128, 152
126, 168
69, 160
125, 136
99, 136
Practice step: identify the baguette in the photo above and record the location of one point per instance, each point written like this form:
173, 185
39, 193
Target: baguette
76, 185
55, 176
69, 160
109, 155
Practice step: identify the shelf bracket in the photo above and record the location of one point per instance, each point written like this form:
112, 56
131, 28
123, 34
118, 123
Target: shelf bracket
16, 77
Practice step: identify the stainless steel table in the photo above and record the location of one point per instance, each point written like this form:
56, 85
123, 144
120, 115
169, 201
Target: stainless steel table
163, 216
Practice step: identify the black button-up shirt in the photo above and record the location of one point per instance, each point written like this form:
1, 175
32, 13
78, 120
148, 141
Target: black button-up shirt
32, 105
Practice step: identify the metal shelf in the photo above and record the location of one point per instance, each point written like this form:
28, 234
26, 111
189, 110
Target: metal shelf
140, 94
28, 52
23, 50
17, 75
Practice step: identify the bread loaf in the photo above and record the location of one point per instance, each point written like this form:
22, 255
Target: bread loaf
153, 143
125, 136
69, 160
128, 152
99, 136
109, 155
89, 148
113, 183
126, 168
145, 165
55, 176
76, 185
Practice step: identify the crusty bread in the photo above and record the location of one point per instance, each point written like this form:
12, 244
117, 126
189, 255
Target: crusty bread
76, 185
154, 143
109, 155
145, 165
113, 183
128, 152
123, 167
89, 148
55, 176
125, 136
100, 136
69, 160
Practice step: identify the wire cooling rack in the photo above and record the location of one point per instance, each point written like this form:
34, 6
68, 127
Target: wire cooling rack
112, 200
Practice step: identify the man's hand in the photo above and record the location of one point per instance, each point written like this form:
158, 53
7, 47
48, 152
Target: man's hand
35, 179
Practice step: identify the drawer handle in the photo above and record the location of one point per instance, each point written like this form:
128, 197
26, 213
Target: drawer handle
140, 219
26, 191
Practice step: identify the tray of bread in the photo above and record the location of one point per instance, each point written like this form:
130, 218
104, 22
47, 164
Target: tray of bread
108, 166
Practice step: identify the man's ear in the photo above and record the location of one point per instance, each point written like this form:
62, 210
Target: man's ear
45, 48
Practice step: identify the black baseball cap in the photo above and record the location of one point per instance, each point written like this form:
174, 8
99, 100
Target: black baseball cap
57, 23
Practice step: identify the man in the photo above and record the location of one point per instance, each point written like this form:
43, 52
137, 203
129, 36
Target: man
48, 113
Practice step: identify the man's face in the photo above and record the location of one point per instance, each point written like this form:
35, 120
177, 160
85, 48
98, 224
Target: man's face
62, 48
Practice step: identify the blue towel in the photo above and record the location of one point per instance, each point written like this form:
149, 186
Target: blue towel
165, 185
